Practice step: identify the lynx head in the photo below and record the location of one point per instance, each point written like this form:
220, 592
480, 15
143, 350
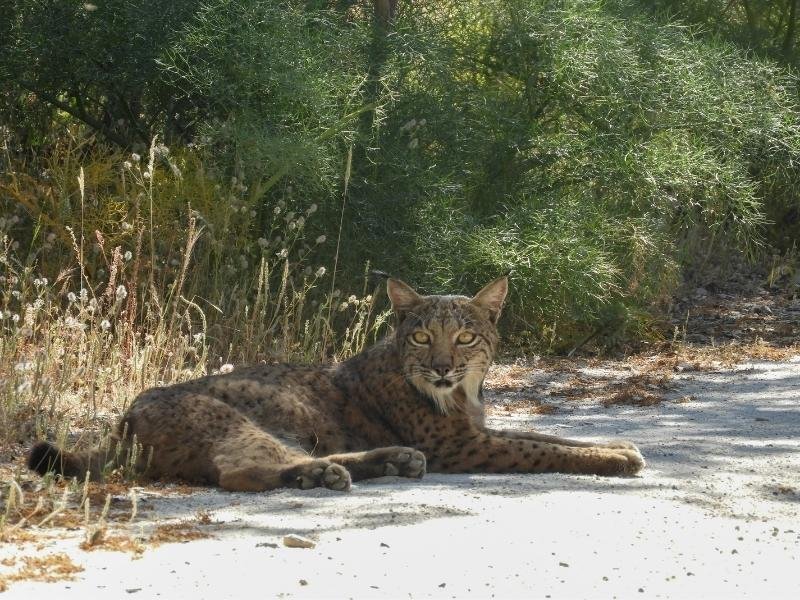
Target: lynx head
447, 342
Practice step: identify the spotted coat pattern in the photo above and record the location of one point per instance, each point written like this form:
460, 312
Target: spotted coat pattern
408, 404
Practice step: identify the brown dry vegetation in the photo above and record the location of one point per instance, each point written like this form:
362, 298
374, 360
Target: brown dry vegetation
120, 540
37, 512
82, 333
753, 315
119, 272
48, 568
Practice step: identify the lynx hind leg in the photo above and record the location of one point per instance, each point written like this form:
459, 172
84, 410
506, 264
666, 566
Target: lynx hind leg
305, 475
392, 460
251, 460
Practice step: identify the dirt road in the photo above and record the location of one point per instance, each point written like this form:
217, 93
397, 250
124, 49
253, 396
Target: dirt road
714, 515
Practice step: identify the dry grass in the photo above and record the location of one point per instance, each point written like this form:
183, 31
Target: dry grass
520, 393
166, 533
110, 283
705, 358
510, 378
639, 390
39, 511
113, 543
529, 405
72, 360
632, 388
641, 381
182, 531
36, 509
31, 507
48, 568
644, 379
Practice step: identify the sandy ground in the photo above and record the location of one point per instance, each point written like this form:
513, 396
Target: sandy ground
714, 515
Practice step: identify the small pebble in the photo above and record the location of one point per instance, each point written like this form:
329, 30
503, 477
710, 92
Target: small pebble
297, 541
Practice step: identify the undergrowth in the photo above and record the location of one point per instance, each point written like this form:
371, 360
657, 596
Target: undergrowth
122, 272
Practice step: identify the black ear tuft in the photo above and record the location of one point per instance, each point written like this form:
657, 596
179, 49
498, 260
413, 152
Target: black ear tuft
376, 274
44, 458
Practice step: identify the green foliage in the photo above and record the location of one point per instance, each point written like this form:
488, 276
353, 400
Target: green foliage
279, 82
98, 62
768, 27
590, 147
580, 145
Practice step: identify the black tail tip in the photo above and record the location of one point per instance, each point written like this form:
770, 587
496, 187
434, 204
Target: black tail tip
44, 458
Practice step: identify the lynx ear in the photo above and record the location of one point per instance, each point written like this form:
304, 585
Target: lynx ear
402, 295
491, 297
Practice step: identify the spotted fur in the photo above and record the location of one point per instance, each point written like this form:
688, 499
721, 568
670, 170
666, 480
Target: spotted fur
409, 403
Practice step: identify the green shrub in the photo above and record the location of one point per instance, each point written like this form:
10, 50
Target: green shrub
282, 84
95, 62
578, 144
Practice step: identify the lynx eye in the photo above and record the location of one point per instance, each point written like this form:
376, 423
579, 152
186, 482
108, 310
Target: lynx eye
421, 338
465, 337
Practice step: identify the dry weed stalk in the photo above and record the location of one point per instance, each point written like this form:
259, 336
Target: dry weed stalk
153, 295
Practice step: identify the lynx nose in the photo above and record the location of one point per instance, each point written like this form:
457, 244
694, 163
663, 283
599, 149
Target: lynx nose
441, 370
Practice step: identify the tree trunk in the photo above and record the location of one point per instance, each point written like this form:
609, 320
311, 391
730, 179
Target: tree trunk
752, 17
385, 11
791, 28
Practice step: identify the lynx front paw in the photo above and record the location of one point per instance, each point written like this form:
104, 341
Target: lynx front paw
632, 462
336, 477
608, 461
406, 462
321, 473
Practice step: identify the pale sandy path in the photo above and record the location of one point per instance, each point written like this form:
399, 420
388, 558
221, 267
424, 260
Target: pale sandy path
715, 515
